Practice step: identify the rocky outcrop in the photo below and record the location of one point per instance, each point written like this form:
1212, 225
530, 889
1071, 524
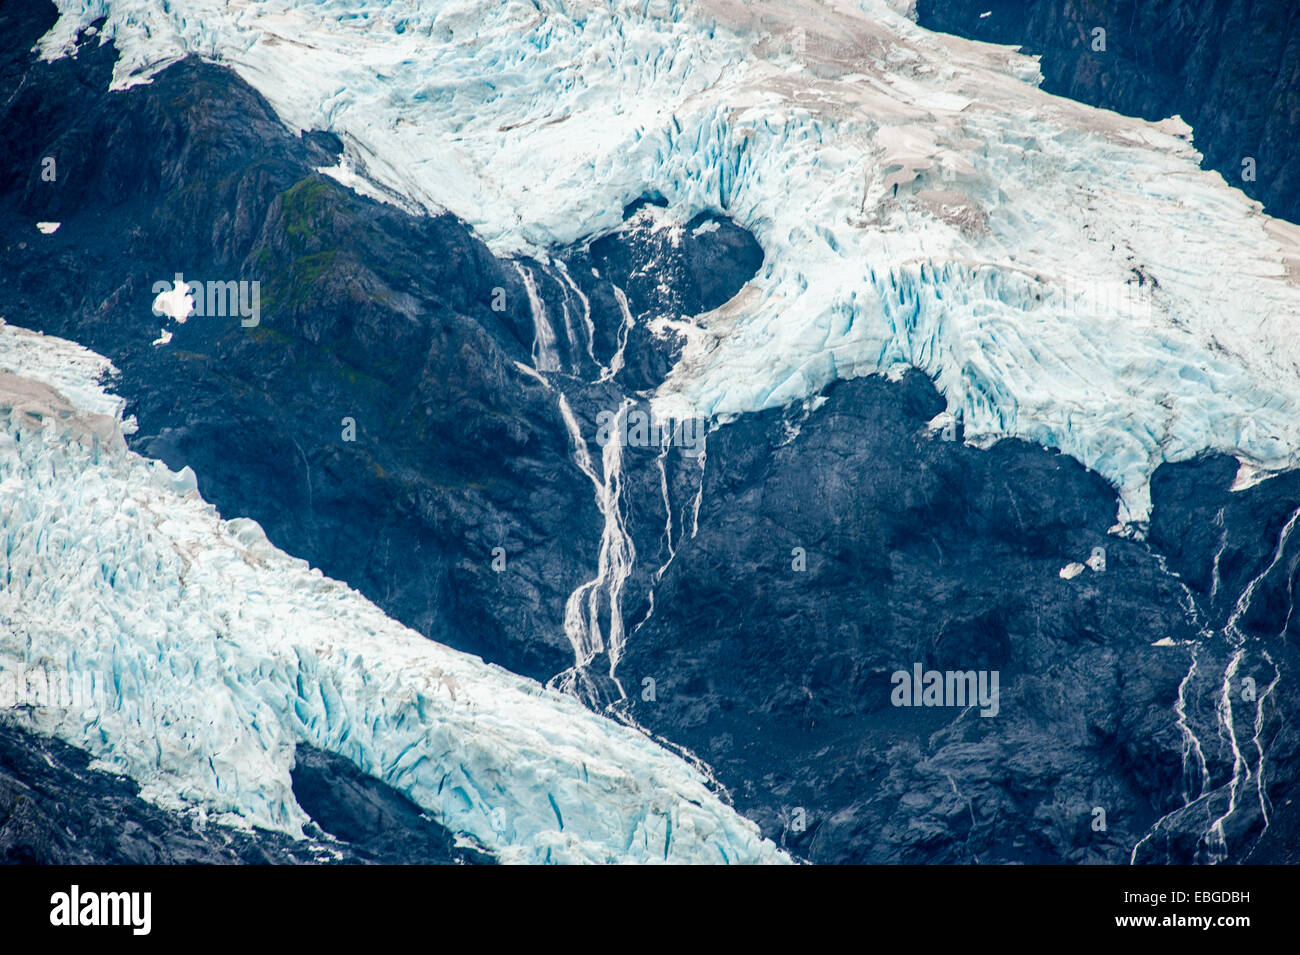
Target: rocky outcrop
866, 544
55, 809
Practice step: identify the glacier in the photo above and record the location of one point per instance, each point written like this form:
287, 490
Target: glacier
204, 656
1064, 274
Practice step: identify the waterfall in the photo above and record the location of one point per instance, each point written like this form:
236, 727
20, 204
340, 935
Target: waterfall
544, 356
624, 329
586, 316
1243, 772
582, 623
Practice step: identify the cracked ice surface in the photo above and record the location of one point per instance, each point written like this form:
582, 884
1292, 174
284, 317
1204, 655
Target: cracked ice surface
919, 199
212, 654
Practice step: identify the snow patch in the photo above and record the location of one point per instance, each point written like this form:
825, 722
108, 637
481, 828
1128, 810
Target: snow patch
1071, 570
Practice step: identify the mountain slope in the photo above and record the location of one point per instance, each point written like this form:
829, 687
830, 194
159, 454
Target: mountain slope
923, 541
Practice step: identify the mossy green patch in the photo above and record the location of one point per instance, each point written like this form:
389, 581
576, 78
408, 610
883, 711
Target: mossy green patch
306, 204
293, 287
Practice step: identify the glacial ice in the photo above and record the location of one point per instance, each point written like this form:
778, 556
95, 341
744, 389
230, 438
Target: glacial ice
210, 655
1064, 274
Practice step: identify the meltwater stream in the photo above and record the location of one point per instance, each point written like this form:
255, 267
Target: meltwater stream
617, 554
594, 619
1224, 774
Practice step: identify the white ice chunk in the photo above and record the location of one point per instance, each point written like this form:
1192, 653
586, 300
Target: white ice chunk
177, 302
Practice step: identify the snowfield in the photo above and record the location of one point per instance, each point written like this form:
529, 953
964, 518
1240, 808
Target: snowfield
1065, 274
208, 654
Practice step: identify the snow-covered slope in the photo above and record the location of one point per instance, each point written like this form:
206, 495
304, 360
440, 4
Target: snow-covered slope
1065, 274
189, 653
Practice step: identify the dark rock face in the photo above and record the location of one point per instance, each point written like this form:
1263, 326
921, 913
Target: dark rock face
1239, 554
708, 258
367, 314
778, 583
920, 551
1230, 68
375, 822
54, 810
